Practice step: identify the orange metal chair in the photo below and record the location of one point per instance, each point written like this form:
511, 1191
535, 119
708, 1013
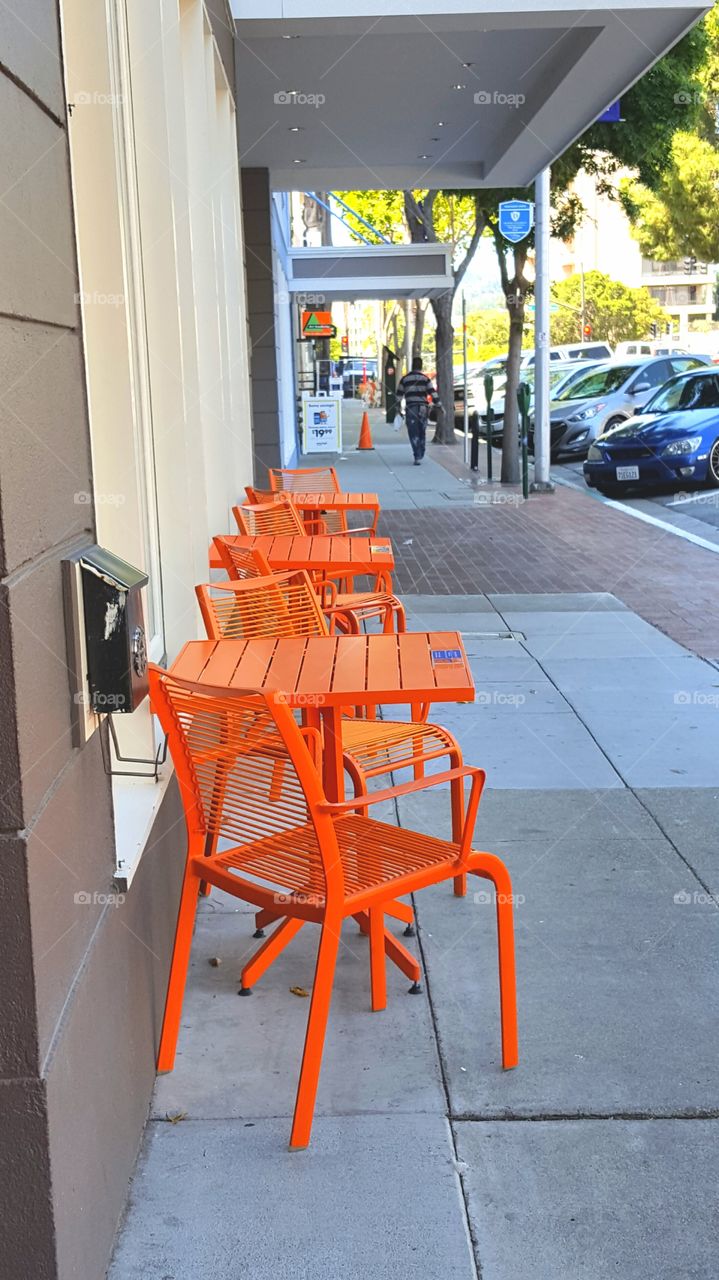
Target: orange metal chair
314, 480
241, 562
281, 838
285, 604
346, 610
311, 523
304, 479
269, 517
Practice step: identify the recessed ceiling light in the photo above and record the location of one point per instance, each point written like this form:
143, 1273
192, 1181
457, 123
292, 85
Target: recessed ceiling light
424, 157
440, 124
459, 86
290, 37
434, 139
295, 128
298, 162
467, 64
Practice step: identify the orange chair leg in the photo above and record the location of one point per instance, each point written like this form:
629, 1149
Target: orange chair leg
457, 793
266, 916
315, 1034
492, 868
178, 972
403, 958
269, 951
378, 973
399, 911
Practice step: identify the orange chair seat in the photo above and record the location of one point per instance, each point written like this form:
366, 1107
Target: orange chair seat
373, 854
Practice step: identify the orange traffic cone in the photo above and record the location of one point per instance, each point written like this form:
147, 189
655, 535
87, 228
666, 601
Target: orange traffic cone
365, 439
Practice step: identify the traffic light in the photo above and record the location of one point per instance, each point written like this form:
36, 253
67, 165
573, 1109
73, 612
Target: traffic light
587, 331
654, 330
690, 264
345, 343
716, 300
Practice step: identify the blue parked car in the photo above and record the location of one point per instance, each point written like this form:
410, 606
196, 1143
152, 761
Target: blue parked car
674, 439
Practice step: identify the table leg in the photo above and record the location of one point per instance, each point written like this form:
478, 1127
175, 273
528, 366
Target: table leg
332, 765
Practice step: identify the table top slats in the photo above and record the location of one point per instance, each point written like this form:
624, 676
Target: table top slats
192, 659
415, 661
350, 673
251, 670
321, 549
335, 671
447, 674
284, 667
317, 666
350, 555
333, 501
383, 669
279, 547
220, 666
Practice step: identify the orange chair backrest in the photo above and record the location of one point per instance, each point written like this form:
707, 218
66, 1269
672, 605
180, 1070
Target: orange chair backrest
241, 562
269, 517
258, 495
305, 479
246, 774
283, 604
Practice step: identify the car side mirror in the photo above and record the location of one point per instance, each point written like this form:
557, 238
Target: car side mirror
640, 387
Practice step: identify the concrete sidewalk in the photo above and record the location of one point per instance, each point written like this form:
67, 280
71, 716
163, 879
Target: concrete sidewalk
599, 1155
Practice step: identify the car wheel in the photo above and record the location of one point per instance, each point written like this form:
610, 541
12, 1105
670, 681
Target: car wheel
713, 466
613, 422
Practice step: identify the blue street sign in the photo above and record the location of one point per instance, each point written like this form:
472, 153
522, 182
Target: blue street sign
516, 219
612, 115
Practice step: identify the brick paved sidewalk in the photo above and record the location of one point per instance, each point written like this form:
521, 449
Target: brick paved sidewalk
554, 543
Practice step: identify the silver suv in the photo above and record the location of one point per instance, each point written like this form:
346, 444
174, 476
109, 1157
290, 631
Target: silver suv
606, 396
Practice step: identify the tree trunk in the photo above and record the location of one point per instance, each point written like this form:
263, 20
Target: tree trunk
515, 293
444, 347
395, 332
420, 310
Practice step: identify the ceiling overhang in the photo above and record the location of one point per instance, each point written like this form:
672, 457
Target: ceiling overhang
479, 95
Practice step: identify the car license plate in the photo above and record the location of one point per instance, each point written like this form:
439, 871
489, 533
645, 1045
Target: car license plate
627, 473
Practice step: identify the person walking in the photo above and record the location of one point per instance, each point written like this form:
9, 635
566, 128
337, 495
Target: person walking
418, 392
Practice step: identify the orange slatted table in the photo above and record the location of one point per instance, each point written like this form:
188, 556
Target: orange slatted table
322, 674
314, 504
326, 553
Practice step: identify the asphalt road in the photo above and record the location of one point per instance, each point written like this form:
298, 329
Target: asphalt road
681, 507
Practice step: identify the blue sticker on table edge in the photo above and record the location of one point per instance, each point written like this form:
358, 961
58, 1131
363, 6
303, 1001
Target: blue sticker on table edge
446, 655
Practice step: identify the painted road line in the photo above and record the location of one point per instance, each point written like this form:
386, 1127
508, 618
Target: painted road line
641, 515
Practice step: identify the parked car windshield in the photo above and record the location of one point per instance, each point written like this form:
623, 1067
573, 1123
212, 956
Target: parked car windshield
598, 383
699, 392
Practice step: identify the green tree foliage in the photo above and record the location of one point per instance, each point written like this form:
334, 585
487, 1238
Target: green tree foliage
669, 97
679, 218
444, 217
616, 312
674, 216
487, 334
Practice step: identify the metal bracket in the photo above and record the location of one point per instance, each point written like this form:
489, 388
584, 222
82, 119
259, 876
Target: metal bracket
156, 764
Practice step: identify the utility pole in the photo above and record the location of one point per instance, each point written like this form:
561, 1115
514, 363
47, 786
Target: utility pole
541, 483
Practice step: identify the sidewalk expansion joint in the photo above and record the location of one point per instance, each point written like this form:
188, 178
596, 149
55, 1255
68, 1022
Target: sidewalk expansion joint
692, 1113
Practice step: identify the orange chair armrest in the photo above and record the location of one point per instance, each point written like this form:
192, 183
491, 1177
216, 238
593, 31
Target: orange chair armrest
419, 784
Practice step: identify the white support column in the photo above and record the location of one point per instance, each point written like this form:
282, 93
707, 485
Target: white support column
541, 482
